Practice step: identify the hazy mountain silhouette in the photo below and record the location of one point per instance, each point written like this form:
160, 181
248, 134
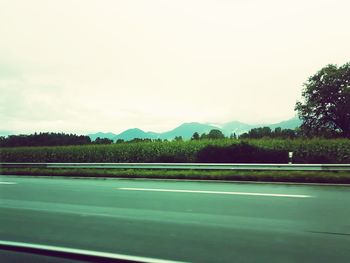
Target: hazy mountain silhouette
136, 133
186, 130
236, 127
288, 124
108, 135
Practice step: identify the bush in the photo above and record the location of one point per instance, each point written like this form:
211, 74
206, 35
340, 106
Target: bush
241, 153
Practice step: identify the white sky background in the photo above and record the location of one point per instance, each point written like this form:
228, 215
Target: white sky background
87, 66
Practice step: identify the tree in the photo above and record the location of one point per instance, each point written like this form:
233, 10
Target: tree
288, 133
326, 106
277, 132
99, 140
216, 134
178, 139
203, 136
257, 133
266, 132
2, 141
233, 136
195, 136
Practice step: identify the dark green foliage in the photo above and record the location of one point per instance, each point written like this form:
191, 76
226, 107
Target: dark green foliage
139, 140
44, 139
195, 136
284, 133
266, 132
241, 153
103, 141
178, 139
233, 136
325, 110
203, 136
259, 133
215, 134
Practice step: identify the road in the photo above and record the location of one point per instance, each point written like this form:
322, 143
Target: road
182, 221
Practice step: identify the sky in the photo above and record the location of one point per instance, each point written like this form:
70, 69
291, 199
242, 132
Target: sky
98, 65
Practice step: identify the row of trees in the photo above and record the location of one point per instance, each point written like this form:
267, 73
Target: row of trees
256, 133
212, 135
44, 139
60, 139
267, 132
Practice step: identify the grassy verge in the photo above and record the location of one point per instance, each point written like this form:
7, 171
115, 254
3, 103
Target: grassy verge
262, 176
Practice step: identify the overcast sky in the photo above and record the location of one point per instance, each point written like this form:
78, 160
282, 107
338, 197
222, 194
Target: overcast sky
87, 66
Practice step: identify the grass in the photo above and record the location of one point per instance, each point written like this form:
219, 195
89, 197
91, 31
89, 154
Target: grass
305, 151
260, 176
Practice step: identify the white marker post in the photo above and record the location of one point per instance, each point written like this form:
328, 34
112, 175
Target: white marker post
290, 155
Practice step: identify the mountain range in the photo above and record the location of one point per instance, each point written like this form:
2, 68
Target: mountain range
186, 130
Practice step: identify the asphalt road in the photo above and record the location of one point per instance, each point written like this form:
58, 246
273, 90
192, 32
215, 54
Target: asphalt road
182, 221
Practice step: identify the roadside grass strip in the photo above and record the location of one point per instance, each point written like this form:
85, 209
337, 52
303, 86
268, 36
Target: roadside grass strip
215, 192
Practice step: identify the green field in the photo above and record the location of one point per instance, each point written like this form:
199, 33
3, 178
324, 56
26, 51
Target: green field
305, 151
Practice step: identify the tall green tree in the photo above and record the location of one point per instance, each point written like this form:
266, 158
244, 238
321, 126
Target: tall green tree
325, 108
178, 139
216, 134
233, 136
195, 136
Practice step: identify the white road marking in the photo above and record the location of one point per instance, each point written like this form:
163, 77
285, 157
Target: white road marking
103, 255
7, 183
214, 192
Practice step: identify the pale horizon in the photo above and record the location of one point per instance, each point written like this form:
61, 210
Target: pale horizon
107, 66
215, 124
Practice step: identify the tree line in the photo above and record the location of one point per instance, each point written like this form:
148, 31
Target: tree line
44, 139
267, 132
61, 139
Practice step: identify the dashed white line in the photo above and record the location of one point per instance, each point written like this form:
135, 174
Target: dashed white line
215, 192
7, 183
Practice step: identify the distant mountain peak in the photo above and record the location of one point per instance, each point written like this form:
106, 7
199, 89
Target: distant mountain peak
108, 135
134, 130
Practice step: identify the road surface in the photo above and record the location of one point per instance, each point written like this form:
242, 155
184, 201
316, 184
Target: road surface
180, 221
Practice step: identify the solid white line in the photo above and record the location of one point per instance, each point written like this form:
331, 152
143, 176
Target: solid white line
7, 183
85, 252
214, 192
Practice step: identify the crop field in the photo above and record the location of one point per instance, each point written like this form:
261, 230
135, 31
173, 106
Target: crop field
305, 151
